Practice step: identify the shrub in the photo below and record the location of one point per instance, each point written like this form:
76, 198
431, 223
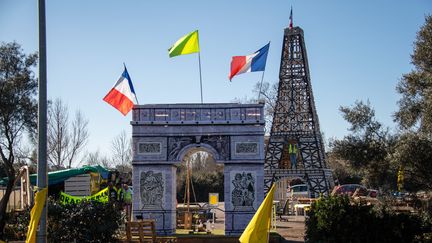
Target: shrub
17, 224
88, 221
337, 219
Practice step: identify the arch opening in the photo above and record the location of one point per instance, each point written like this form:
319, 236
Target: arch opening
198, 177
289, 192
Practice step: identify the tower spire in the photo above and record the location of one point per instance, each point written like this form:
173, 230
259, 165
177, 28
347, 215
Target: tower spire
291, 19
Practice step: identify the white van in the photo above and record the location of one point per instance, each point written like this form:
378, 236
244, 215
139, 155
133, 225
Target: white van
300, 190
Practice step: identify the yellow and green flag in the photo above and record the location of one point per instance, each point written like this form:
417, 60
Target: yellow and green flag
35, 214
186, 45
258, 228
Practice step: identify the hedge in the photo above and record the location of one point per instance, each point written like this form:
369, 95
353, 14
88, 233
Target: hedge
88, 221
337, 219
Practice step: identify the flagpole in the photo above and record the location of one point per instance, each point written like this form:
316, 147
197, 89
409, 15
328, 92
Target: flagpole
262, 78
124, 64
199, 62
41, 235
137, 99
268, 233
271, 214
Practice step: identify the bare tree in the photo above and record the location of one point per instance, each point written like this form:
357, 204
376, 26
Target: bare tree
121, 150
65, 139
268, 95
202, 161
58, 139
79, 136
95, 158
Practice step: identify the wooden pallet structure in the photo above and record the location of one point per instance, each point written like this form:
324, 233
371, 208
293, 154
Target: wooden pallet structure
295, 123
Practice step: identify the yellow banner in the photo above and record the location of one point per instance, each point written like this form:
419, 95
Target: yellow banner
101, 196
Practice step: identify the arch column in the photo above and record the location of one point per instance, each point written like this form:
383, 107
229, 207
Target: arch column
154, 195
244, 187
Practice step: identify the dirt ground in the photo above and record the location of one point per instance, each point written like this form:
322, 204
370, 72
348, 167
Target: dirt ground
292, 228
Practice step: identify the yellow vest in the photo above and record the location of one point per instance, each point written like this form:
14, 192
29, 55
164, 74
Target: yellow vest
292, 149
128, 195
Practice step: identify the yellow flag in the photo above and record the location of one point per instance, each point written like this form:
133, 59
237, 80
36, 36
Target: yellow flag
186, 45
35, 214
258, 228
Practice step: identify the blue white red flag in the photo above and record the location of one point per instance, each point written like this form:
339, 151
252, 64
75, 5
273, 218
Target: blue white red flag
122, 96
251, 63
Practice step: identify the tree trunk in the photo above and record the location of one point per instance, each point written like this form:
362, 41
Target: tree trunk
3, 205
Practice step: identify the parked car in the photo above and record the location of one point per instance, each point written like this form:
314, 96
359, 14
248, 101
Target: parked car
372, 193
350, 189
297, 191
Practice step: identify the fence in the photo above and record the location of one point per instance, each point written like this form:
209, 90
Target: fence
14, 199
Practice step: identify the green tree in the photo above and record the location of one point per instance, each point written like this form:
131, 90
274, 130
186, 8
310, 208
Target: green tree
370, 147
206, 177
367, 147
343, 172
18, 110
415, 106
413, 150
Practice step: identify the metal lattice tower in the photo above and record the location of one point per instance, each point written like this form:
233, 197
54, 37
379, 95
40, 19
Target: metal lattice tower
295, 122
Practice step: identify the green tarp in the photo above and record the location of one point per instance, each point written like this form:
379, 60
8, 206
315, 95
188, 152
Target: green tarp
59, 176
62, 175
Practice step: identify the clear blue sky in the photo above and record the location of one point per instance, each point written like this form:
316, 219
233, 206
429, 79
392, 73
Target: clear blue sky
357, 50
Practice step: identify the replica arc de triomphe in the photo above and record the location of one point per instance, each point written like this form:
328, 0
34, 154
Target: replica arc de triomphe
163, 134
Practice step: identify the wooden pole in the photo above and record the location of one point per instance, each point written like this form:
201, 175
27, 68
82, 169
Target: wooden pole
187, 184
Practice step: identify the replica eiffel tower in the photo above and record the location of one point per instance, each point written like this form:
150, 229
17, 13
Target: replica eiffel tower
295, 148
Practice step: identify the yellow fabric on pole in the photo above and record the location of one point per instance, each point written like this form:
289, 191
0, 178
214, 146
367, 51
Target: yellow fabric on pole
35, 214
186, 45
258, 228
400, 178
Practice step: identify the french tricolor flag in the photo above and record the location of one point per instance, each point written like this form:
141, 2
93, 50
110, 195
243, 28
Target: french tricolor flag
251, 63
122, 96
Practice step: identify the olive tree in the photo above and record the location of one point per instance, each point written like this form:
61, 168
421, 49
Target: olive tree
18, 110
